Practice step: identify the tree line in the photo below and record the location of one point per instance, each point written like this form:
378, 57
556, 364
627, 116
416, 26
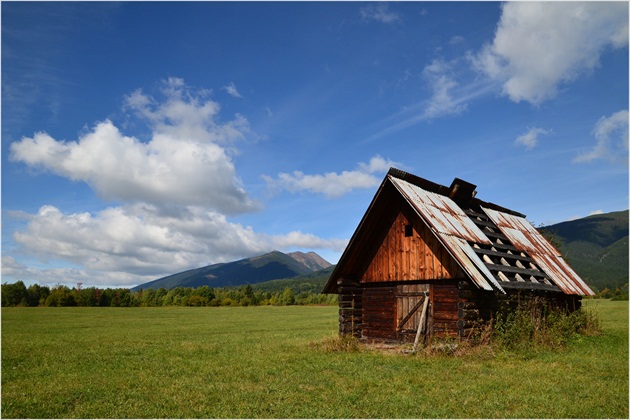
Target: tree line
620, 293
17, 294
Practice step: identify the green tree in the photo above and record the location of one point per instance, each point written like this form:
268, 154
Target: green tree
605, 294
60, 296
148, 297
86, 297
106, 298
287, 297
37, 294
204, 291
122, 298
14, 294
196, 300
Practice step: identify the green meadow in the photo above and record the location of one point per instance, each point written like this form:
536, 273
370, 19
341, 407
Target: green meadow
269, 362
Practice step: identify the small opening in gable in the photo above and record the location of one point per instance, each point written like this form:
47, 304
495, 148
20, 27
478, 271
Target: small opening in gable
408, 230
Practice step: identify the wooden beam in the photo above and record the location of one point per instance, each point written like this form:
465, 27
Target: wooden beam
526, 285
511, 269
421, 324
495, 235
502, 254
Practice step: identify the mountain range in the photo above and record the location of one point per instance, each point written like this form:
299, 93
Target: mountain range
270, 266
595, 246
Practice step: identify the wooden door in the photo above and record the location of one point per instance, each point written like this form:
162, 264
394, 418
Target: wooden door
409, 304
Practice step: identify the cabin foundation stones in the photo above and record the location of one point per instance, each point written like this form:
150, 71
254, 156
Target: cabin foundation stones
433, 261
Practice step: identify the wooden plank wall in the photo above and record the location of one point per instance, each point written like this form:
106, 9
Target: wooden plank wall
416, 257
408, 296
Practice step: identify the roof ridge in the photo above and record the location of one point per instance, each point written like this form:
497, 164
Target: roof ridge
425, 184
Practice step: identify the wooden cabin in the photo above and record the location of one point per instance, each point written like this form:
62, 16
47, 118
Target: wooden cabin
438, 259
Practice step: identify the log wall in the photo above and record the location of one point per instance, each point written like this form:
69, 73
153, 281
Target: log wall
444, 300
350, 308
379, 312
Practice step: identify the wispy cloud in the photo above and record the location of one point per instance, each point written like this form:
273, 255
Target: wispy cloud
37, 80
449, 97
530, 139
442, 84
456, 39
539, 46
232, 91
611, 135
332, 184
379, 12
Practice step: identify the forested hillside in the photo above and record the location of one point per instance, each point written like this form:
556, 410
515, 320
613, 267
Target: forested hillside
596, 247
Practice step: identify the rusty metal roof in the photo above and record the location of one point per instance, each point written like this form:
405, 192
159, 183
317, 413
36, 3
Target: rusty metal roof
453, 228
525, 237
496, 247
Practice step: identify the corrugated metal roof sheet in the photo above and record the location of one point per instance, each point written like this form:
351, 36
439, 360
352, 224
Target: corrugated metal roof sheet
453, 228
525, 237
442, 213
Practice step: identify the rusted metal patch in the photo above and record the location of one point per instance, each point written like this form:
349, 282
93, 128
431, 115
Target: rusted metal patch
442, 214
453, 228
453, 245
525, 237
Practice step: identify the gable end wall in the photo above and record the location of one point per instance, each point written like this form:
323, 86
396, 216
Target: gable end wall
407, 258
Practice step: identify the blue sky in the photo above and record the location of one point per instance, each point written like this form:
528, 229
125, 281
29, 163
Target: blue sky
143, 139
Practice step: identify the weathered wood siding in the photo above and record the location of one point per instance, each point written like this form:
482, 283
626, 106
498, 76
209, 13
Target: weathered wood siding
416, 257
409, 300
350, 308
379, 312
444, 299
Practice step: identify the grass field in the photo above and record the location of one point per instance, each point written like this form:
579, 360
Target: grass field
258, 362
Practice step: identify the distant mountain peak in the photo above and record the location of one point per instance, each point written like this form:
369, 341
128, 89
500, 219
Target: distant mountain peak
310, 259
270, 266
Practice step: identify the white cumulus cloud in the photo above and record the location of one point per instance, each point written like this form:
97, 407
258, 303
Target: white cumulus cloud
611, 134
184, 163
136, 243
333, 184
539, 46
